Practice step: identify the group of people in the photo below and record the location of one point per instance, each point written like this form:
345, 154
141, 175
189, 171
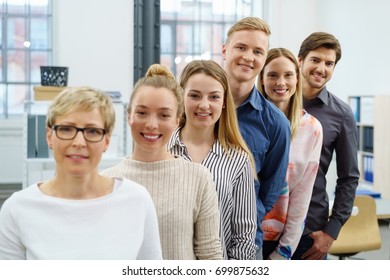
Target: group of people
228, 163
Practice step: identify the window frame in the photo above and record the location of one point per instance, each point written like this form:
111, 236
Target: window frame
198, 18
29, 12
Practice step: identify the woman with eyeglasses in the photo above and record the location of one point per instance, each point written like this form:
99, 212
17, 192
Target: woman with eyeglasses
80, 214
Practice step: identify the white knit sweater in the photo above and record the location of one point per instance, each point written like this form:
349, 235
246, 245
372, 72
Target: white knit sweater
186, 203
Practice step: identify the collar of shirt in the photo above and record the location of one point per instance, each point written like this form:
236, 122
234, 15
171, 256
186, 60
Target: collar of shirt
255, 99
322, 97
217, 148
175, 139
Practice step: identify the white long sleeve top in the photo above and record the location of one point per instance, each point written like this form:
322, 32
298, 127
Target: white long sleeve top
120, 225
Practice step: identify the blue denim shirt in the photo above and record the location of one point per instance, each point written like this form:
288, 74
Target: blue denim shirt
266, 130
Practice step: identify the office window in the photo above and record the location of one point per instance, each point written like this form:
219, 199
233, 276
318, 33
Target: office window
25, 45
196, 29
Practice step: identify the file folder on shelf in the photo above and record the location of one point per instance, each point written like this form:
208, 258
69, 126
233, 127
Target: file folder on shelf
368, 169
354, 102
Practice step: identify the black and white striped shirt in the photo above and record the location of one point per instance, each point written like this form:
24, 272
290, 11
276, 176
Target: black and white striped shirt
234, 181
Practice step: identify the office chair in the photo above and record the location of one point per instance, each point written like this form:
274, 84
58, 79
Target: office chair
360, 233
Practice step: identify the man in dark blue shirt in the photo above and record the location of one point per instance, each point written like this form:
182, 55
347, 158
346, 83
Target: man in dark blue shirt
263, 126
318, 56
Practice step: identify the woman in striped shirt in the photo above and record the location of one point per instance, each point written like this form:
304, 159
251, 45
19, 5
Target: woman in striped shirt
209, 134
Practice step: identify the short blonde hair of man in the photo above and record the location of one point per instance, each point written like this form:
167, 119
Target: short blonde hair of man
75, 99
249, 23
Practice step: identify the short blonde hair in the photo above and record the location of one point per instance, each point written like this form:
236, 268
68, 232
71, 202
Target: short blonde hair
249, 23
74, 99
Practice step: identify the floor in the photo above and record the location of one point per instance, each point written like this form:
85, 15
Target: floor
7, 190
381, 254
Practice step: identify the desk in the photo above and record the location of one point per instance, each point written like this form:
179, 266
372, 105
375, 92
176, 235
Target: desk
383, 208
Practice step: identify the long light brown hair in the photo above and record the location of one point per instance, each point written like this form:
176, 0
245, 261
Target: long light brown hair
294, 111
226, 128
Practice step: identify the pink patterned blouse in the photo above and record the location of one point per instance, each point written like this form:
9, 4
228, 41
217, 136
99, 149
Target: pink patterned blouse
286, 221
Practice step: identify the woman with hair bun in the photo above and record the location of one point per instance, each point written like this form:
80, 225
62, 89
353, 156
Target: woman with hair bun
183, 192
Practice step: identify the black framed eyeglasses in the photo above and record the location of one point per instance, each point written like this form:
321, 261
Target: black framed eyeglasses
69, 132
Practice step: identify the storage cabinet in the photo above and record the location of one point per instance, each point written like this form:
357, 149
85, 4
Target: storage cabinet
363, 109
372, 115
38, 161
382, 145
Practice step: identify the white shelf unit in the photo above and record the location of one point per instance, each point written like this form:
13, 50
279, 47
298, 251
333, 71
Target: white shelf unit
372, 114
363, 109
37, 169
381, 144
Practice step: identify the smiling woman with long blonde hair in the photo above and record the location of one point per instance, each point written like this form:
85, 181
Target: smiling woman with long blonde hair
280, 83
209, 134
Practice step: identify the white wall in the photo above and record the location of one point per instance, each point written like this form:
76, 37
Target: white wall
360, 26
95, 40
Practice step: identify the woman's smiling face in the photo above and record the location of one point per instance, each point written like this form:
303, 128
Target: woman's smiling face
153, 119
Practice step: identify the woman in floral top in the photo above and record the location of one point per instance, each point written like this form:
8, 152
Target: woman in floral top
280, 83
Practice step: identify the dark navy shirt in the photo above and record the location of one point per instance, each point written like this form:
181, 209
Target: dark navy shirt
266, 130
340, 136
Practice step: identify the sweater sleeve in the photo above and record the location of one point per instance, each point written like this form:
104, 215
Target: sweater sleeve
207, 243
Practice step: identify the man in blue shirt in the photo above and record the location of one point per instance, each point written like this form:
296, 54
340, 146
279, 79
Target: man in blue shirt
263, 126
